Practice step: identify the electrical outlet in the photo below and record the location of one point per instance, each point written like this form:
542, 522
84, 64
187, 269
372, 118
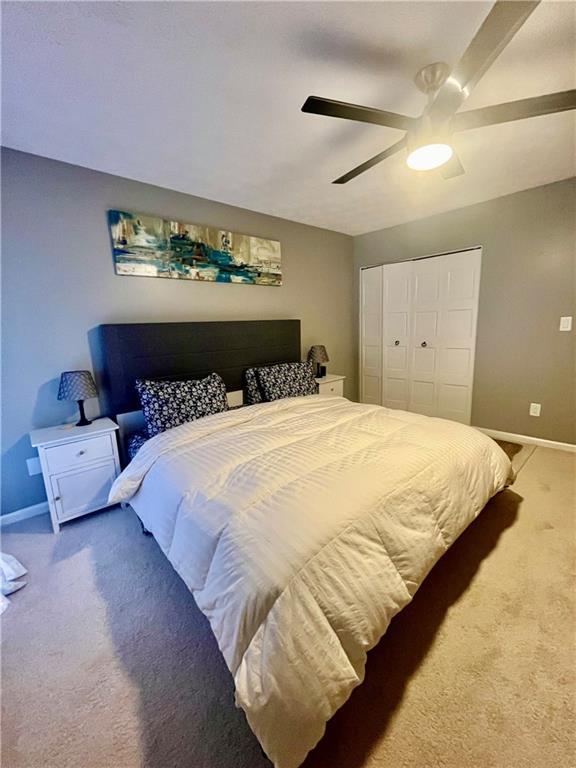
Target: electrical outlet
535, 409
566, 323
34, 467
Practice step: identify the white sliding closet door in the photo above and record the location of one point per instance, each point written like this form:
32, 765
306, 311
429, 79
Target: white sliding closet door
418, 334
426, 314
370, 335
460, 290
396, 303
445, 292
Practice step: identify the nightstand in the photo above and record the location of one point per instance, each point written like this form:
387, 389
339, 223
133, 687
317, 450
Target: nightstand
331, 384
79, 465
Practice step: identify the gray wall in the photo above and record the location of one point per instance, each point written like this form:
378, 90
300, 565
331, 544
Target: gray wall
528, 283
58, 282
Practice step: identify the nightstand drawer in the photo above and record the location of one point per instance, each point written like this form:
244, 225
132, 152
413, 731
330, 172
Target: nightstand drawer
335, 388
82, 490
69, 455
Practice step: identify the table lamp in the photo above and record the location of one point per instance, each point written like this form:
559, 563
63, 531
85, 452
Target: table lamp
77, 385
317, 354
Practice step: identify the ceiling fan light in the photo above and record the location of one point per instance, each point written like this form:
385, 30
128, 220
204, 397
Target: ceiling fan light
429, 156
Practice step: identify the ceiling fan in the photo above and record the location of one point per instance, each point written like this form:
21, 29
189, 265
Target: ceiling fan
428, 138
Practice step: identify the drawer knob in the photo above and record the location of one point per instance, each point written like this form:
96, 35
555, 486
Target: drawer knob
396, 342
82, 452
424, 344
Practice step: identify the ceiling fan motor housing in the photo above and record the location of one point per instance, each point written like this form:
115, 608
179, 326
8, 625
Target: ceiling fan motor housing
432, 77
429, 130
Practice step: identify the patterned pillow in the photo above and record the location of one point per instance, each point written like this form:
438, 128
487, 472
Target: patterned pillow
252, 394
168, 404
286, 380
135, 441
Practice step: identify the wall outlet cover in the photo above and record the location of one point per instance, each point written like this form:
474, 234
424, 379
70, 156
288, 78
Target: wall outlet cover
34, 467
565, 323
535, 409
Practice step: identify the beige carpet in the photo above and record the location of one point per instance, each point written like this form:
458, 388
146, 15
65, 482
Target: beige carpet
107, 663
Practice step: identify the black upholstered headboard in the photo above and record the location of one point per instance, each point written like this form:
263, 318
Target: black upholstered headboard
125, 352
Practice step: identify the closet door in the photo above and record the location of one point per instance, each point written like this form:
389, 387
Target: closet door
371, 335
396, 289
460, 291
444, 316
426, 314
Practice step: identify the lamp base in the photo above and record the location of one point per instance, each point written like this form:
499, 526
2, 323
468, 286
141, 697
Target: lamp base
83, 420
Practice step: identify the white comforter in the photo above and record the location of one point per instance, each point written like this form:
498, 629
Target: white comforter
302, 527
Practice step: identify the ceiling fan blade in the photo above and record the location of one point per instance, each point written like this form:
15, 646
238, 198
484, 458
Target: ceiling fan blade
515, 110
497, 30
372, 162
319, 106
452, 168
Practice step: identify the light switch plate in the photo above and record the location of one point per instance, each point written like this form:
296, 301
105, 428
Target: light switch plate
535, 409
565, 323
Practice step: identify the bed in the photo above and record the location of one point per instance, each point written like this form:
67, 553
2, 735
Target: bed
302, 526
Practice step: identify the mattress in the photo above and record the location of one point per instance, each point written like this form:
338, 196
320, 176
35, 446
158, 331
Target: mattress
302, 526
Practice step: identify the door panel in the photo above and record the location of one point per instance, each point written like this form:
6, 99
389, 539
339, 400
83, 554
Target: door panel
455, 363
426, 283
423, 397
425, 325
461, 286
82, 490
458, 324
396, 281
424, 362
396, 359
453, 402
426, 309
397, 325
461, 283
397, 389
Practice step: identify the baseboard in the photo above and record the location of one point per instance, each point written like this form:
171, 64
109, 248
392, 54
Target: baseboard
24, 514
511, 437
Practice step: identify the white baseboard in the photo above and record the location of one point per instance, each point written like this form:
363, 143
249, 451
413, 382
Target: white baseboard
511, 437
24, 514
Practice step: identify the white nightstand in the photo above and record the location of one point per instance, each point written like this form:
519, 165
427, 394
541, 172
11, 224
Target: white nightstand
79, 465
331, 384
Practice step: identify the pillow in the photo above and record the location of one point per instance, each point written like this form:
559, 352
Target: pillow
252, 394
135, 441
168, 404
286, 380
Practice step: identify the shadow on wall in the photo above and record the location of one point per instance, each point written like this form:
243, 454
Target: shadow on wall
186, 713
15, 456
48, 410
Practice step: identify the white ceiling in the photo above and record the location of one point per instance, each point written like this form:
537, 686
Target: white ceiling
205, 98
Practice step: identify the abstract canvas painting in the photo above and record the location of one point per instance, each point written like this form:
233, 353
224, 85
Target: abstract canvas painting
149, 246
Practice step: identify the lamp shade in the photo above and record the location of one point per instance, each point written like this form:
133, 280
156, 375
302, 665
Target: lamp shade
76, 385
318, 354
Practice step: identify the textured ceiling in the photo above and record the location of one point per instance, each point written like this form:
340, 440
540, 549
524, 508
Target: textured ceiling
205, 98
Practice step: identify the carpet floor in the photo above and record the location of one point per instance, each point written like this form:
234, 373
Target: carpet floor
107, 662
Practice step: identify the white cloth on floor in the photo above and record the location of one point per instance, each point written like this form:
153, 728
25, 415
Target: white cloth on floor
10, 569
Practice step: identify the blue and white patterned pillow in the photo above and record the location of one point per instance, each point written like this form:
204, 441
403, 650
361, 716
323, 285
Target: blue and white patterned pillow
252, 394
135, 441
167, 404
286, 380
